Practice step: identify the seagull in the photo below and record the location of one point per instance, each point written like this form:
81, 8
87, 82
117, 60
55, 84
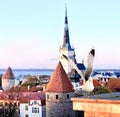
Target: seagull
86, 77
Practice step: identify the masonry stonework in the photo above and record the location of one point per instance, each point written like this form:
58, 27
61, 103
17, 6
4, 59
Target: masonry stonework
59, 105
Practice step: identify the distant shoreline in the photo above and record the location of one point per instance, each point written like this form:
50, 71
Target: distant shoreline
54, 69
33, 69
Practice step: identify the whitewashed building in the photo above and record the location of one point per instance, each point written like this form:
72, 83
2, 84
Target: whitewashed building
33, 105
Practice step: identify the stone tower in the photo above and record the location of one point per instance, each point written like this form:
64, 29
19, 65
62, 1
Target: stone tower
66, 48
58, 94
8, 79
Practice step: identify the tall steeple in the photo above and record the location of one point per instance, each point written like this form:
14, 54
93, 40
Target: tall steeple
66, 48
66, 39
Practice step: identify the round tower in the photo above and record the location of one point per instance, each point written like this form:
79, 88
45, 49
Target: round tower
58, 94
8, 79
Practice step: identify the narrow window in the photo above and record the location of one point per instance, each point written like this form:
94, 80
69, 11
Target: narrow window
35, 110
26, 107
35, 102
67, 96
47, 96
56, 96
26, 115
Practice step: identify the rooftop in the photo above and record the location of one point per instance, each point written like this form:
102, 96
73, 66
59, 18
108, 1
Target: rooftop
59, 81
8, 74
102, 105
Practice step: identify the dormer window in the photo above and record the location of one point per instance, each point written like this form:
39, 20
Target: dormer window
35, 102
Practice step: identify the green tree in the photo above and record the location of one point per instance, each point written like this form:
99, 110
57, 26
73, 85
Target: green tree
29, 82
9, 110
101, 90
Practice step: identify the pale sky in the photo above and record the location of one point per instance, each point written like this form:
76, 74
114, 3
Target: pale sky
31, 32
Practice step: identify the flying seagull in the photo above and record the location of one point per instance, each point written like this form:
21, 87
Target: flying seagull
86, 77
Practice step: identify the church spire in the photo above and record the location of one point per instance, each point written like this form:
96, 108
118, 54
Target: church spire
66, 39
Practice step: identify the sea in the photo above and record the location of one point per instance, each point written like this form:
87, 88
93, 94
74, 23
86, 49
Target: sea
24, 72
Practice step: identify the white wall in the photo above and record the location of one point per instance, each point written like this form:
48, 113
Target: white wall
30, 112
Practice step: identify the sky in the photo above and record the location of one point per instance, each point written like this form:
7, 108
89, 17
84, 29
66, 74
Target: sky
31, 32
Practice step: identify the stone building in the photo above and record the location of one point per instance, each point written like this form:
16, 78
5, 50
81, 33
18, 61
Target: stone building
8, 79
58, 94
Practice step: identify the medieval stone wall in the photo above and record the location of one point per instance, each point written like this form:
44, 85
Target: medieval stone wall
59, 105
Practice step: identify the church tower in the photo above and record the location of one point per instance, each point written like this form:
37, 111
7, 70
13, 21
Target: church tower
59, 92
66, 48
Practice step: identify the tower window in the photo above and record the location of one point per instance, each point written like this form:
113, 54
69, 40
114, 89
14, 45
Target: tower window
56, 96
67, 96
47, 96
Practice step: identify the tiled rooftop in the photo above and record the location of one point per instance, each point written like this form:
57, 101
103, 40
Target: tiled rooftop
27, 96
59, 81
25, 89
106, 96
114, 84
8, 74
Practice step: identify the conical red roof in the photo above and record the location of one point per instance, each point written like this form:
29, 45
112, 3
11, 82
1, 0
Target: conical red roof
59, 81
8, 74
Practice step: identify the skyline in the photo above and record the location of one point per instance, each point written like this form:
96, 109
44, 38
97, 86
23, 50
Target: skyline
31, 32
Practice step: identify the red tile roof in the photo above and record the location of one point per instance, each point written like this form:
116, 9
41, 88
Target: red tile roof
59, 81
27, 96
113, 83
25, 89
8, 74
23, 97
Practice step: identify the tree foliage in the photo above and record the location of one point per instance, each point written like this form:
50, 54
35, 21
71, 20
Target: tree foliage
101, 90
9, 110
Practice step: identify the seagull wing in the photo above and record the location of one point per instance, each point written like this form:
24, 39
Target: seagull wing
89, 69
74, 66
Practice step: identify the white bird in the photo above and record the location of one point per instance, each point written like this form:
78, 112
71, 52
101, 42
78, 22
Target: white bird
86, 77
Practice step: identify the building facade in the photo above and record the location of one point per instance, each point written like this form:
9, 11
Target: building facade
32, 108
33, 104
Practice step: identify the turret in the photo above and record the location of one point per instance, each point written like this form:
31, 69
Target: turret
8, 79
58, 94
